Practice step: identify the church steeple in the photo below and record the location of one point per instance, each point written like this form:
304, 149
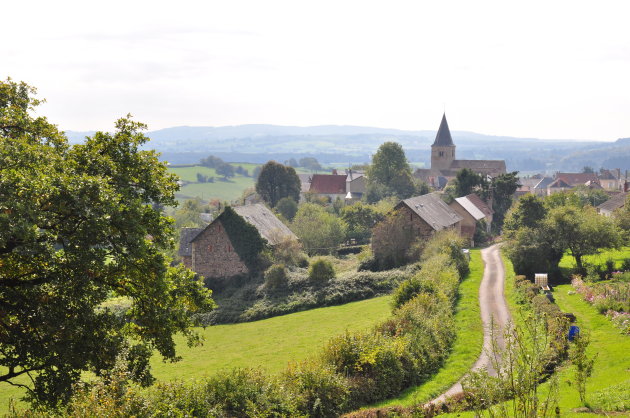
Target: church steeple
443, 137
443, 149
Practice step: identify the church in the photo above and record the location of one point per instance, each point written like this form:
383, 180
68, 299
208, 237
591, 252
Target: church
444, 166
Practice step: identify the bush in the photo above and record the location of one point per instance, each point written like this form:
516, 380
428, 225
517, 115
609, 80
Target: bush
321, 271
449, 243
320, 391
276, 276
287, 208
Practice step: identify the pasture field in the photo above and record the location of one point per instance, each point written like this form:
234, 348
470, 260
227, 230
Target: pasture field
270, 344
223, 190
466, 348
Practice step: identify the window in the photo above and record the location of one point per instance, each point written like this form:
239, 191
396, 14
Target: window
441, 153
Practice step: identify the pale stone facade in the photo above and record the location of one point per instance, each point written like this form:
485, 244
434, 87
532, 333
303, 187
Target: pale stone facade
468, 223
213, 254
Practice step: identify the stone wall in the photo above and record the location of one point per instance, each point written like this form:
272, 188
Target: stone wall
420, 227
213, 254
187, 261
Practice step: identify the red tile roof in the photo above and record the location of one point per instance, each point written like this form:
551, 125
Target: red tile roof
328, 184
481, 205
575, 179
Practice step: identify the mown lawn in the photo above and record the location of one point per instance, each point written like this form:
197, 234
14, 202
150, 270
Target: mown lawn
467, 346
270, 344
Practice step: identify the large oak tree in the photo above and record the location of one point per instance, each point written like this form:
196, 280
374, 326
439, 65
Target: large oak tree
80, 224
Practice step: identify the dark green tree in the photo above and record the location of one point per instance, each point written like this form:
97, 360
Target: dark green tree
529, 211
502, 189
287, 207
211, 161
360, 218
310, 163
226, 170
467, 182
390, 174
277, 181
78, 224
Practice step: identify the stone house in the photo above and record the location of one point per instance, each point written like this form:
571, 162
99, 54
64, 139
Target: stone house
470, 215
210, 252
428, 214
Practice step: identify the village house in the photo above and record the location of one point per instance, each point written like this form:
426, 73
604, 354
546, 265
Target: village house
444, 165
611, 205
210, 252
472, 210
428, 214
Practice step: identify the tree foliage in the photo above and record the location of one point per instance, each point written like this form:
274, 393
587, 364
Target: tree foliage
319, 231
361, 218
276, 181
391, 240
287, 207
390, 175
78, 224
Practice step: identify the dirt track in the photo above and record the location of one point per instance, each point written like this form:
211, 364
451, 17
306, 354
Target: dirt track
493, 310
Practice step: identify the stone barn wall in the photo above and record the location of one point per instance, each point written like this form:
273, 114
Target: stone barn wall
213, 254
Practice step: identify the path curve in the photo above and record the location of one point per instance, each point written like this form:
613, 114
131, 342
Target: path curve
493, 310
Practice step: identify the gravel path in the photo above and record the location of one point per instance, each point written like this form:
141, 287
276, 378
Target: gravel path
493, 310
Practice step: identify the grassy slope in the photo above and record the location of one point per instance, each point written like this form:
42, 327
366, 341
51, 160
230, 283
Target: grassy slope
467, 346
270, 344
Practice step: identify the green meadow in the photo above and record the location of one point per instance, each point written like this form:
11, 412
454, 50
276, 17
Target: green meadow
270, 344
225, 190
567, 263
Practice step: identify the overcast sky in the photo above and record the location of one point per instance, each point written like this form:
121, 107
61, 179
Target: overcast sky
546, 69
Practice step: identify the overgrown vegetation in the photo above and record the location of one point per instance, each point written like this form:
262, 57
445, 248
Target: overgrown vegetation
353, 369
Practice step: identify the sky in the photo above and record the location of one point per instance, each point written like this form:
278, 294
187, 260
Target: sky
544, 69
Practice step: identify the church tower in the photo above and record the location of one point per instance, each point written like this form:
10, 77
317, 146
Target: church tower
443, 149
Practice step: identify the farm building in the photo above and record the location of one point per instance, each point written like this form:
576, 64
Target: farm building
428, 214
213, 251
470, 214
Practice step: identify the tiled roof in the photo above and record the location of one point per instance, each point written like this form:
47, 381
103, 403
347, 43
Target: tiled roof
575, 179
186, 235
437, 214
614, 203
542, 184
470, 208
267, 224
559, 183
328, 184
481, 205
485, 166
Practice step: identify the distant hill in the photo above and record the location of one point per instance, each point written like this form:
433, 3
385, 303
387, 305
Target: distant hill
355, 144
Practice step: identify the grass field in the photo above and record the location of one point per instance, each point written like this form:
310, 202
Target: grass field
467, 346
270, 344
618, 256
223, 190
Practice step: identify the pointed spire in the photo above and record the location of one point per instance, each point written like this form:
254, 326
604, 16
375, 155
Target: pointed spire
443, 137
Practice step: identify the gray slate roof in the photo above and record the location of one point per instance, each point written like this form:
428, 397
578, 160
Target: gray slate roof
494, 167
186, 235
267, 224
432, 209
443, 137
614, 203
543, 183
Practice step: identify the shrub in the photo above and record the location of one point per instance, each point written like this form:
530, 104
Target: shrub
320, 391
276, 276
287, 252
321, 271
287, 208
449, 243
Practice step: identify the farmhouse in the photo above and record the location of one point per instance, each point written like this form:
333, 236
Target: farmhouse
428, 214
444, 166
211, 251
